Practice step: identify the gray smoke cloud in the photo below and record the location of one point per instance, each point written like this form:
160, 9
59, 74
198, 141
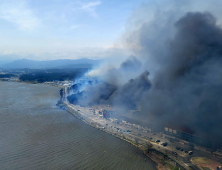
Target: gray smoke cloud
130, 65
182, 50
187, 88
113, 92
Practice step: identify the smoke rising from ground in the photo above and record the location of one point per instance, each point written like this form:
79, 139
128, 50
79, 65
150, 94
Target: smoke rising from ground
187, 89
114, 89
183, 53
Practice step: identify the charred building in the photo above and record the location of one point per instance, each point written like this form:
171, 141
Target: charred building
194, 142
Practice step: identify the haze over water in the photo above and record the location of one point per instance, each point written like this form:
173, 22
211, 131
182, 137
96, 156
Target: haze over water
35, 134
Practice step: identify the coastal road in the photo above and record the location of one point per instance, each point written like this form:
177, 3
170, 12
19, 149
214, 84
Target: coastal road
139, 134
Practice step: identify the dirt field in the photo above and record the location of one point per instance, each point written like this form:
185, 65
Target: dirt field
205, 163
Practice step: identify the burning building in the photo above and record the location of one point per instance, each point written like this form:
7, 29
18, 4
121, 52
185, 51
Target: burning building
105, 114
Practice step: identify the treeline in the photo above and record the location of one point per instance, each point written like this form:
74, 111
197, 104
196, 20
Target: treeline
7, 75
50, 75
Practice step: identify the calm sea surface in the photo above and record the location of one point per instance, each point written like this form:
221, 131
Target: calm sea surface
36, 135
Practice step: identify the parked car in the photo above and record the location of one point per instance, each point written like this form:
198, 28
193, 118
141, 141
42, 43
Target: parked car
164, 143
178, 148
157, 140
174, 153
190, 152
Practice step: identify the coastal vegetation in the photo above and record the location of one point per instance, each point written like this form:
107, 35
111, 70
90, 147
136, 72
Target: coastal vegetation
41, 76
161, 159
7, 75
148, 147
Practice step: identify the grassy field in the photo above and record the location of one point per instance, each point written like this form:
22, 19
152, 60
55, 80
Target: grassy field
201, 160
205, 163
205, 168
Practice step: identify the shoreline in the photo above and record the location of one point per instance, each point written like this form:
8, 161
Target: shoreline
58, 139
157, 159
159, 163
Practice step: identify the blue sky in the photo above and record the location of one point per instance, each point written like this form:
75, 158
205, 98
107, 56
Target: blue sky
52, 29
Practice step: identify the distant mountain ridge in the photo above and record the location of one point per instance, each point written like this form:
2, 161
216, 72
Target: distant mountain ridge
31, 64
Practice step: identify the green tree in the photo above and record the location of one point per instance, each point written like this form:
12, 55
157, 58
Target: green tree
175, 168
148, 147
136, 141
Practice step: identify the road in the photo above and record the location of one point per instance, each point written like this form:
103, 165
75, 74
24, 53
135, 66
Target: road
144, 137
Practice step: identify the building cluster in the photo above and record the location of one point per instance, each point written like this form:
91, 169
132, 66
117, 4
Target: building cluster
193, 141
12, 79
61, 83
218, 153
15, 78
105, 114
105, 111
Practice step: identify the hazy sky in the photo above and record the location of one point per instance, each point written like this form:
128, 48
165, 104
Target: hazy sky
52, 29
